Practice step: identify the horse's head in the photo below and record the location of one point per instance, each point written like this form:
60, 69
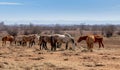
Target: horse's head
81, 38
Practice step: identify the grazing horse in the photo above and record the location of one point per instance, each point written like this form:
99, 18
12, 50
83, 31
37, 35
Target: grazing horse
98, 39
7, 38
90, 42
44, 39
66, 38
30, 39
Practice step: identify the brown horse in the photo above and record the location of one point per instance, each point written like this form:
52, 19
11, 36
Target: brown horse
98, 39
19, 39
7, 38
90, 42
43, 40
30, 39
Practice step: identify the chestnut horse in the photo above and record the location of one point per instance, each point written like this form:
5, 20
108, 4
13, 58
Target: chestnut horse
90, 42
98, 39
7, 38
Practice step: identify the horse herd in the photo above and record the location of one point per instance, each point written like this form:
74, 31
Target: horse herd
55, 40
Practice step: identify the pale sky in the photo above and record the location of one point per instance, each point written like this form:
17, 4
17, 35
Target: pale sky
59, 10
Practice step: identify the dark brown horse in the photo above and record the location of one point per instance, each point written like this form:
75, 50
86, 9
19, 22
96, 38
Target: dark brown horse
7, 38
98, 39
43, 40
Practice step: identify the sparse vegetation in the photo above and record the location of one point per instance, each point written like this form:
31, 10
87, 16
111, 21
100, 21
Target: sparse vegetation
106, 30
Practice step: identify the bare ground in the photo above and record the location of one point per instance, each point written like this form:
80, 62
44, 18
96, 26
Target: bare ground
24, 58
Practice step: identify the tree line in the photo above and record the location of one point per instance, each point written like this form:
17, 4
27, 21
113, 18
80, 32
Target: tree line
107, 30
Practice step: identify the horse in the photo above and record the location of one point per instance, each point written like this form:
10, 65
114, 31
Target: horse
19, 39
66, 38
90, 42
43, 40
30, 39
55, 40
7, 38
98, 39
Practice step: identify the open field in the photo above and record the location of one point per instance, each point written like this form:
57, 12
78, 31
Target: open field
24, 58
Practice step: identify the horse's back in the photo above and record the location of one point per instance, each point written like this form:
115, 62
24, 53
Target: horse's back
90, 39
98, 38
7, 38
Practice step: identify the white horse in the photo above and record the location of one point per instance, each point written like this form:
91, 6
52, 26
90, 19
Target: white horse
66, 38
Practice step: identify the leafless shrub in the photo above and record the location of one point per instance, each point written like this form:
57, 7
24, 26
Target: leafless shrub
109, 30
118, 33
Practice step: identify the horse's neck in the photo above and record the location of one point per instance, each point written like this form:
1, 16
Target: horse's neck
68, 35
84, 37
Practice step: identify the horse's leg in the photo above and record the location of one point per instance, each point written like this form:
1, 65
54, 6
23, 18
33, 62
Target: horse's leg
32, 43
102, 44
20, 43
29, 44
43, 45
99, 45
58, 45
5, 43
88, 46
66, 45
40, 45
55, 46
10, 43
91, 47
46, 46
73, 46
51, 48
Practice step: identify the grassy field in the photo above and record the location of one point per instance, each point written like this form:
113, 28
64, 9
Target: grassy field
24, 58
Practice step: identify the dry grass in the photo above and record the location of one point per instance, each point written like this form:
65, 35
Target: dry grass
24, 58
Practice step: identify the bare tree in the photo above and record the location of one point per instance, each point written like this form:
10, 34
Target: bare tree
109, 30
